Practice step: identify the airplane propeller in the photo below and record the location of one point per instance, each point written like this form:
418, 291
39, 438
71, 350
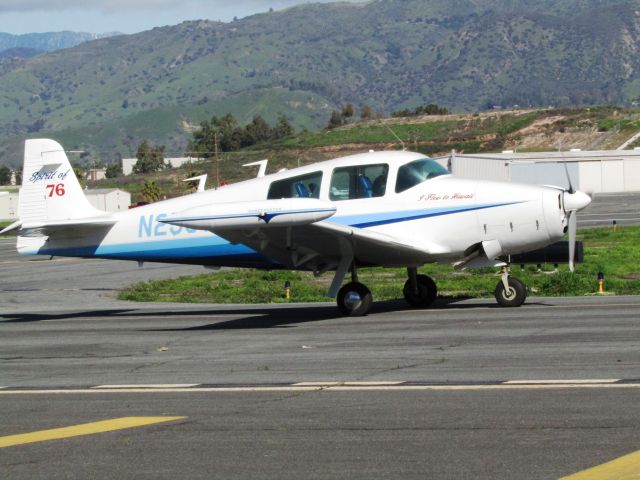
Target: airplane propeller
573, 201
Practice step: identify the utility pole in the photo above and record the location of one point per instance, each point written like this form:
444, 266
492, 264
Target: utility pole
215, 152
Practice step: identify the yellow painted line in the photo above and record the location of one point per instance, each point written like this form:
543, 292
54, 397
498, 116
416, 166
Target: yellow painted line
84, 429
623, 468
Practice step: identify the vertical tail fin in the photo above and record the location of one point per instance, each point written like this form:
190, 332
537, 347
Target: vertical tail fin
50, 190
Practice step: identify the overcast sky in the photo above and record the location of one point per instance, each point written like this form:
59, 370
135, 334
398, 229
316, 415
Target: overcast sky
126, 16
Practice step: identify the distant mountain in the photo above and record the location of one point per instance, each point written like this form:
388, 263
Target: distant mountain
19, 52
47, 42
106, 95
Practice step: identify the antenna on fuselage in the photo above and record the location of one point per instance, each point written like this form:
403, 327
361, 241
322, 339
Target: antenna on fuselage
262, 164
397, 137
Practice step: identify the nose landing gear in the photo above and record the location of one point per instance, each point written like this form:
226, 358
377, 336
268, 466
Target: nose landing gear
510, 292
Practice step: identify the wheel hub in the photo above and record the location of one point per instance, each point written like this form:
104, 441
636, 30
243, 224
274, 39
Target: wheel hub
509, 293
352, 300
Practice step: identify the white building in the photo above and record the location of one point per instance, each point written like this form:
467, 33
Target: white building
109, 199
128, 163
606, 171
106, 199
9, 206
95, 174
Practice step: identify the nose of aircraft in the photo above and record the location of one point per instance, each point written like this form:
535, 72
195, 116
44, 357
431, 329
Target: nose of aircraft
575, 201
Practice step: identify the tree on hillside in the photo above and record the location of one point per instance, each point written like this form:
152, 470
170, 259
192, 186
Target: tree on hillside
114, 170
336, 120
341, 117
257, 131
150, 159
80, 175
150, 191
5, 175
226, 135
347, 111
283, 128
366, 113
430, 109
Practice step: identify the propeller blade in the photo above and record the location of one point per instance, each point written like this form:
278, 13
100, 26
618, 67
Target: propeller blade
573, 226
566, 170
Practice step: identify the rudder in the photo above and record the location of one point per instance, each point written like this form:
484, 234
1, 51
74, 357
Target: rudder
50, 190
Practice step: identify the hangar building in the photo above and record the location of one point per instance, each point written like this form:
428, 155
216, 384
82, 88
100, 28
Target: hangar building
607, 171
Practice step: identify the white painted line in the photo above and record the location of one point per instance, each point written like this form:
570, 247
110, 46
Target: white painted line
355, 388
338, 384
562, 382
150, 386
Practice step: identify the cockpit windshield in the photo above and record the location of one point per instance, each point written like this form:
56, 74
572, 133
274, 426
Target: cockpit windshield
418, 171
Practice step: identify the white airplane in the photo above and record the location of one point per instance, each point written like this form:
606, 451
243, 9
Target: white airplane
389, 209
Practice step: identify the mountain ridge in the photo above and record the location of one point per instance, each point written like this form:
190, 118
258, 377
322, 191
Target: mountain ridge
389, 54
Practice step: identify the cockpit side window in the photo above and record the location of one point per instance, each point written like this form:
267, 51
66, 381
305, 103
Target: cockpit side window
418, 171
304, 186
362, 181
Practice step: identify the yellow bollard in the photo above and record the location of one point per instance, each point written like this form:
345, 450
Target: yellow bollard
600, 283
287, 290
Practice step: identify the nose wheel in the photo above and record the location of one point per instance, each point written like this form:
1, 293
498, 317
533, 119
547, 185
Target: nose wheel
510, 292
354, 299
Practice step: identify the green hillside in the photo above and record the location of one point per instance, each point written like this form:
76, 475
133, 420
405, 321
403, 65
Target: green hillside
107, 95
524, 130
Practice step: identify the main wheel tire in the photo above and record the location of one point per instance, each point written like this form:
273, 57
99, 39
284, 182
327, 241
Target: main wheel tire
514, 297
354, 299
427, 292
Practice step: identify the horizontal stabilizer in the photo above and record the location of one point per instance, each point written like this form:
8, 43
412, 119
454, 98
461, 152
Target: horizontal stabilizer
14, 226
49, 228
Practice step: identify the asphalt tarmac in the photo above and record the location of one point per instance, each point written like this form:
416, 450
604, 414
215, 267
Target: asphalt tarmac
463, 390
606, 208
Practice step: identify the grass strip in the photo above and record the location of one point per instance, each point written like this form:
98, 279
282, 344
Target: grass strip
612, 252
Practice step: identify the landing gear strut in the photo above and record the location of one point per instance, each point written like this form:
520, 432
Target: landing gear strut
419, 290
510, 292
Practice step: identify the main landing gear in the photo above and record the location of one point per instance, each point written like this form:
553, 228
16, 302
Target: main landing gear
419, 290
510, 292
354, 299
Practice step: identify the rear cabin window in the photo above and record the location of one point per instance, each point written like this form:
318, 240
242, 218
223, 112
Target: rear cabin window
296, 187
364, 181
418, 171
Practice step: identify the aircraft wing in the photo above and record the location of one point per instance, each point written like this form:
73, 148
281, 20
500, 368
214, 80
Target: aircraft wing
297, 234
322, 245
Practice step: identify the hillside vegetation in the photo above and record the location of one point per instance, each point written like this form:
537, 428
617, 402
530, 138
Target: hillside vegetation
107, 95
525, 130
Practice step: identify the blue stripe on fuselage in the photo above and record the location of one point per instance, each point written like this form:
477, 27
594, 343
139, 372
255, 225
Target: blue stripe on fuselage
386, 218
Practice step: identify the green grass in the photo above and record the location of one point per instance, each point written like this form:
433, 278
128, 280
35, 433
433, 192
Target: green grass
612, 252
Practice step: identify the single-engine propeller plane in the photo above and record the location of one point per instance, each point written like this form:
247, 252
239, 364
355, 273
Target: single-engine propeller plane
389, 209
